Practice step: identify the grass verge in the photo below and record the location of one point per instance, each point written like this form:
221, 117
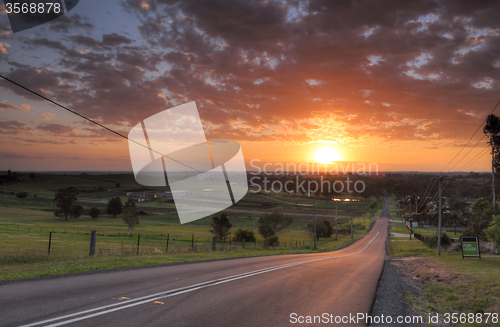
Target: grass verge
449, 284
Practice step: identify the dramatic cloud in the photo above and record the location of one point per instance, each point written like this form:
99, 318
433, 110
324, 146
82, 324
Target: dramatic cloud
14, 127
293, 72
5, 105
56, 128
3, 47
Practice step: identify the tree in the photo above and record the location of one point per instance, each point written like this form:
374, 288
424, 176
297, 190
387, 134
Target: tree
454, 218
221, 226
401, 190
22, 195
130, 215
493, 232
323, 228
244, 234
272, 241
76, 211
64, 199
270, 224
479, 220
492, 128
32, 176
114, 207
95, 213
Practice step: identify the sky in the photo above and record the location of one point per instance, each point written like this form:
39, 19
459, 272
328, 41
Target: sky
403, 84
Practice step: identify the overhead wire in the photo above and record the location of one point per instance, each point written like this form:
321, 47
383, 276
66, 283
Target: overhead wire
94, 122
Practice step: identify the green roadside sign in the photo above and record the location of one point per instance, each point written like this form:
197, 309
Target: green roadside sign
470, 246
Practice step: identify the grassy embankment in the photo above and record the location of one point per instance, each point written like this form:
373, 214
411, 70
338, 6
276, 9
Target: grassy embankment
449, 284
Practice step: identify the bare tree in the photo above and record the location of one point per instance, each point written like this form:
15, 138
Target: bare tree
130, 215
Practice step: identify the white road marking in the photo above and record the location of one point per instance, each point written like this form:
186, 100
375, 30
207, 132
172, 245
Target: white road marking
178, 291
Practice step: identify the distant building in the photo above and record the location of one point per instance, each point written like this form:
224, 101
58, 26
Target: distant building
170, 195
141, 196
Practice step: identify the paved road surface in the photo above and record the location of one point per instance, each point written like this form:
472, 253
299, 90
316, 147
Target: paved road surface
262, 291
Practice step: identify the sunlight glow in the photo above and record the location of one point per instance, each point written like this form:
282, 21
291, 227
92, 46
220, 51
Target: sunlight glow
326, 155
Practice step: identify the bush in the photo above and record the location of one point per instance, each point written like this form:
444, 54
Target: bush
95, 213
221, 227
22, 195
432, 241
76, 211
115, 207
272, 240
244, 233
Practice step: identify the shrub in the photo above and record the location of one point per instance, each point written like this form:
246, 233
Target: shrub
76, 211
432, 241
114, 207
221, 226
272, 240
95, 213
22, 195
244, 233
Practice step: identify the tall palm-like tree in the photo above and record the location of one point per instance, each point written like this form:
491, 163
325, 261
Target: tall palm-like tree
492, 128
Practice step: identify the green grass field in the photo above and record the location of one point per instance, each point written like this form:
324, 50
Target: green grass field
25, 226
398, 228
451, 284
406, 248
468, 286
24, 239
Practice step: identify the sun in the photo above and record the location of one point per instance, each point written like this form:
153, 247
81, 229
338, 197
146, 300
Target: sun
326, 155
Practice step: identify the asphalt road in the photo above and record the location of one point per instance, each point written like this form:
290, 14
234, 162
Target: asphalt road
263, 291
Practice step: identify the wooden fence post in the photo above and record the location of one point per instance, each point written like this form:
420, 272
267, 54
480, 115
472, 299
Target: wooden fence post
50, 240
192, 242
213, 243
168, 236
243, 243
92, 242
138, 239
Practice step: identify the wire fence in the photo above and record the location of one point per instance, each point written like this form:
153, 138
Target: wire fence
25, 243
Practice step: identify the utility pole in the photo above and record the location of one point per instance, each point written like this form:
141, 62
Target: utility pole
352, 232
314, 216
493, 172
410, 219
439, 222
336, 221
416, 198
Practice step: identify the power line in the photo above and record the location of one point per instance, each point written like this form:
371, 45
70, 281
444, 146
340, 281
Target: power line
436, 177
94, 122
470, 137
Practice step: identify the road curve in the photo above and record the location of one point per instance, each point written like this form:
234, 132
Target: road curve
261, 291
